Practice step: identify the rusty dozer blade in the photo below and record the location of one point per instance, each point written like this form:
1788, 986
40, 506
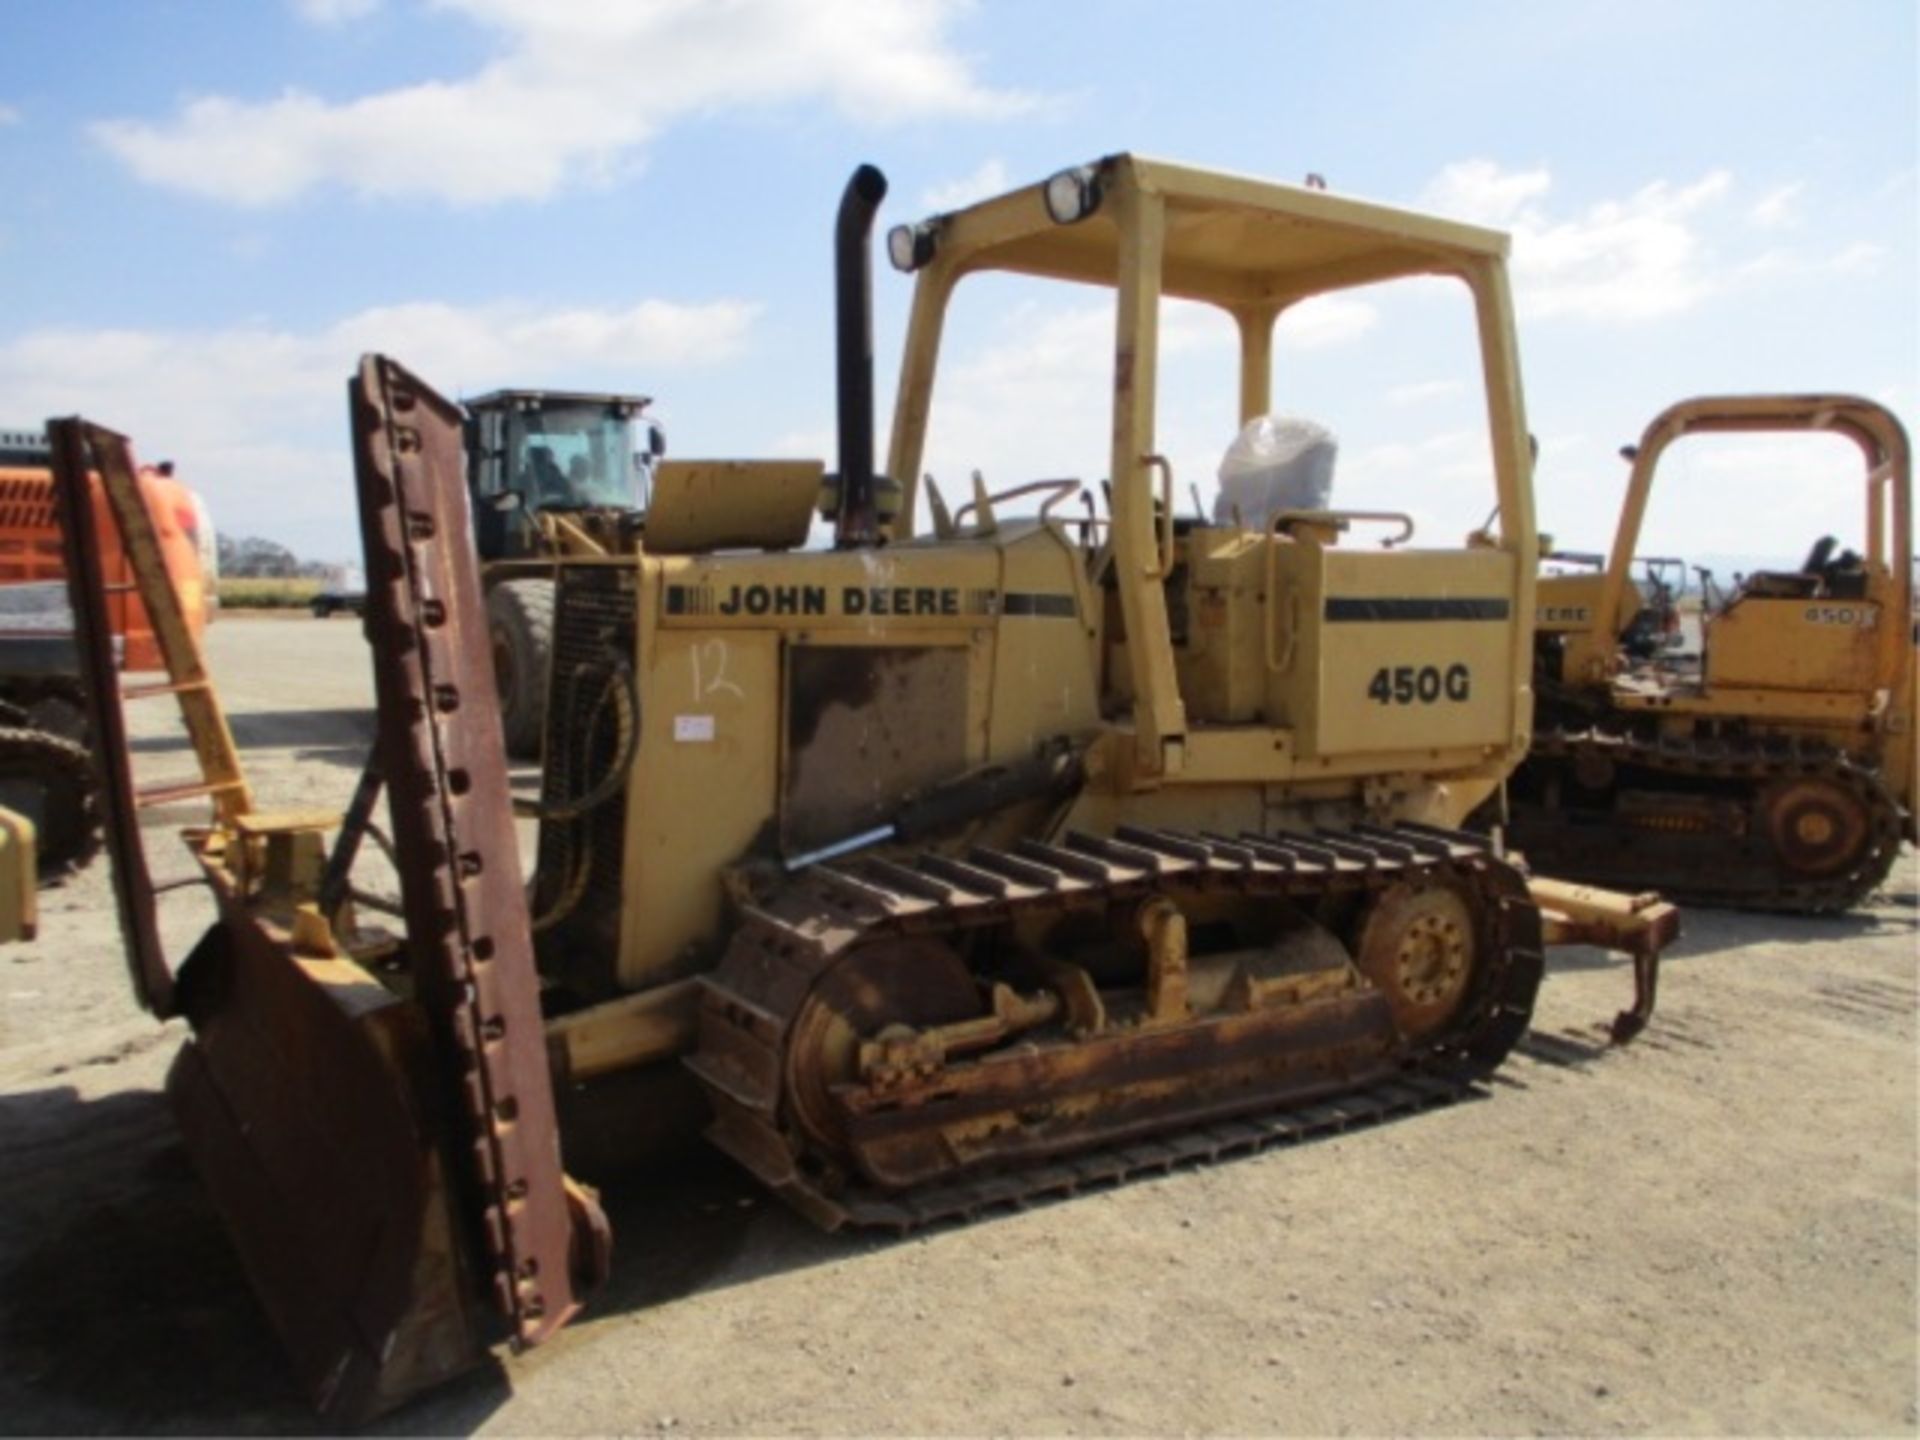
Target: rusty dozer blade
469, 935
305, 1097
388, 1163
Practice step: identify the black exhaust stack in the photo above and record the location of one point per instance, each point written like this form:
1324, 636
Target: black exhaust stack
857, 511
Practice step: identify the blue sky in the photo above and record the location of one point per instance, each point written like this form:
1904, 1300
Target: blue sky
213, 208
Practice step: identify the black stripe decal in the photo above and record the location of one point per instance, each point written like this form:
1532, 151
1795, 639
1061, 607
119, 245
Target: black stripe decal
1024, 602
1399, 608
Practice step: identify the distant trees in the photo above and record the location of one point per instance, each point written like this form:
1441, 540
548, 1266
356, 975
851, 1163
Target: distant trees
252, 558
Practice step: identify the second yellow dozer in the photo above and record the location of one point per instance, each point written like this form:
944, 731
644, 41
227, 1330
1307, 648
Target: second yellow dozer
1778, 769
939, 871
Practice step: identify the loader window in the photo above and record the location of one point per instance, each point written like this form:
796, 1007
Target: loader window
574, 457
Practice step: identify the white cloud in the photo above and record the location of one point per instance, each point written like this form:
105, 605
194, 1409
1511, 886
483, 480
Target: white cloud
255, 415
1898, 183
1640, 258
1778, 208
1481, 192
1860, 258
1899, 396
989, 180
9, 115
1325, 320
577, 92
1806, 485
335, 12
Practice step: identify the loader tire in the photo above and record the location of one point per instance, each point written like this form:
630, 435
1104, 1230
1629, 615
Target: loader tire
520, 620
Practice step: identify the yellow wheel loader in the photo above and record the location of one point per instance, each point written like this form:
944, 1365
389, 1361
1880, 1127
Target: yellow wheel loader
1777, 771
935, 872
551, 473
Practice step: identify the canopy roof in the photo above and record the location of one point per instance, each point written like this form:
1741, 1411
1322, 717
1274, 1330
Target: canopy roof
1230, 239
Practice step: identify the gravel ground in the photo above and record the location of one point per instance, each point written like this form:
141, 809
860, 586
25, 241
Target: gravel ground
1712, 1231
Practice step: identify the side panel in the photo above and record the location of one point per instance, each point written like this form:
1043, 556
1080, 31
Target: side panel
866, 725
791, 700
1044, 681
705, 787
1403, 651
1223, 664
1798, 644
1564, 603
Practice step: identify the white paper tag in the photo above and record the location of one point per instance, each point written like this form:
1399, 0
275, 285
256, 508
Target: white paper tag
693, 729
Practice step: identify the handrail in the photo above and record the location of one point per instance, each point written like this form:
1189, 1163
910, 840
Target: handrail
1342, 518
1062, 490
1279, 660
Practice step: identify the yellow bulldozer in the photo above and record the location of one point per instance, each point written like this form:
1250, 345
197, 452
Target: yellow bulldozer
929, 873
1777, 768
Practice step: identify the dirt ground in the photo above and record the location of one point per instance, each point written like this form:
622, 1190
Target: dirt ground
1713, 1230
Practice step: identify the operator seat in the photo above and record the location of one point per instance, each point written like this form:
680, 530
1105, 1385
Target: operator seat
544, 481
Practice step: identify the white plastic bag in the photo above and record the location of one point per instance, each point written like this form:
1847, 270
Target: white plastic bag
1276, 463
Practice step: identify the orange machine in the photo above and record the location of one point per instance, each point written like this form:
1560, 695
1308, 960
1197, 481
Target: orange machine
45, 771
30, 541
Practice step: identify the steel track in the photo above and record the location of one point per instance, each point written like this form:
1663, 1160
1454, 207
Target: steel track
1733, 873
786, 946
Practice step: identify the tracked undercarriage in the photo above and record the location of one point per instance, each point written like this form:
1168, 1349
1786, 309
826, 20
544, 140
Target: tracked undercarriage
1781, 823
892, 1044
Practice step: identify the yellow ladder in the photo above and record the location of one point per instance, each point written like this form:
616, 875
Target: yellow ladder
80, 448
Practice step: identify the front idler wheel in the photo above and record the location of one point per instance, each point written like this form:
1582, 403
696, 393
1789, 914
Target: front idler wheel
1419, 946
1816, 827
913, 983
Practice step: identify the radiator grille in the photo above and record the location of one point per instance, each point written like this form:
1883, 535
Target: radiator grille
594, 622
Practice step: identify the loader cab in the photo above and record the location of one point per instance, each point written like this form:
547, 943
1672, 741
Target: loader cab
533, 453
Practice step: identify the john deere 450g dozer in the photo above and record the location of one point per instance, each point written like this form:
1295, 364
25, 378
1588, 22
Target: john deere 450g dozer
945, 870
1779, 771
